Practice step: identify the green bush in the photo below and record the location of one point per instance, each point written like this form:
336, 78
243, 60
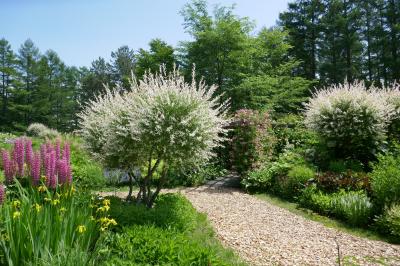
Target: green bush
341, 166
171, 233
296, 180
86, 172
389, 222
150, 245
170, 211
290, 130
259, 179
353, 206
385, 180
316, 200
252, 140
272, 174
196, 177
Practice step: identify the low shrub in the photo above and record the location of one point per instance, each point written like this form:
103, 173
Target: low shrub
151, 245
353, 206
385, 180
170, 211
349, 180
259, 179
316, 200
196, 177
273, 174
341, 166
296, 180
252, 140
41, 131
389, 222
171, 233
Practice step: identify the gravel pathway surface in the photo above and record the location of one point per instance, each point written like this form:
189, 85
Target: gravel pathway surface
264, 234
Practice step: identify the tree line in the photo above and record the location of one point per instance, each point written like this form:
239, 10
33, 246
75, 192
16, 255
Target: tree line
316, 43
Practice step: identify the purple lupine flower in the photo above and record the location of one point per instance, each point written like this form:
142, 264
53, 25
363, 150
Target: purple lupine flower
2, 193
28, 152
58, 148
66, 153
19, 155
43, 152
64, 172
9, 167
35, 168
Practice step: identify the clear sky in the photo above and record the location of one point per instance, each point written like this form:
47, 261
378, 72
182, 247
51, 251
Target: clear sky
82, 30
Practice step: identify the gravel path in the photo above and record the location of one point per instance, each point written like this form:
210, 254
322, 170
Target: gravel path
264, 234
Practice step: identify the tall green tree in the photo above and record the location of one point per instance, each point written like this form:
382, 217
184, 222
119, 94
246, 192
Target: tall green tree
160, 53
8, 78
122, 66
270, 83
220, 44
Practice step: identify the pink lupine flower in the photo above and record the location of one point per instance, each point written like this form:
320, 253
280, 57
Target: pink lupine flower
9, 167
68, 174
67, 153
52, 176
58, 148
28, 152
19, 155
2, 193
64, 172
35, 168
43, 152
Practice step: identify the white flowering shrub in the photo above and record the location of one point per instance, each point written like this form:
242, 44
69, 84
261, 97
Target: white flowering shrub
392, 95
350, 119
41, 131
162, 123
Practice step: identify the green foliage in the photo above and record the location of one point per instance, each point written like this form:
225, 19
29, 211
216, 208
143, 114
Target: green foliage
385, 180
282, 94
198, 176
348, 180
290, 131
170, 211
259, 179
389, 222
353, 206
296, 180
341, 166
252, 140
273, 173
171, 233
316, 200
36, 225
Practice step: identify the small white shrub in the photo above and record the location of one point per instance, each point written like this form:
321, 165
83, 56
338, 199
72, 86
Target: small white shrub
162, 122
40, 130
351, 119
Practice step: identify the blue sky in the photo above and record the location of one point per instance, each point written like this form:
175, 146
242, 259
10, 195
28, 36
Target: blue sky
82, 30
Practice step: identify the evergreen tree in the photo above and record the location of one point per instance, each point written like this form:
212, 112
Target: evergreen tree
8, 78
122, 66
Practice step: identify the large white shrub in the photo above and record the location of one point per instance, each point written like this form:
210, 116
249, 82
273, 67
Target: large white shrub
163, 122
350, 118
392, 95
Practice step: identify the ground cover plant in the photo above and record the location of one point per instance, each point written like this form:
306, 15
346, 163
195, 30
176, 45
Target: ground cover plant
171, 233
